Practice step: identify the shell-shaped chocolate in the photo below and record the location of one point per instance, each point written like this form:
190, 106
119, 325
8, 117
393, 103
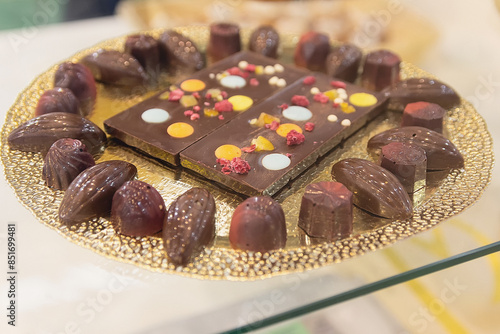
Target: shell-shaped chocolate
420, 89
179, 52
265, 40
375, 189
115, 68
258, 224
65, 159
90, 194
138, 209
57, 100
189, 225
440, 151
39, 133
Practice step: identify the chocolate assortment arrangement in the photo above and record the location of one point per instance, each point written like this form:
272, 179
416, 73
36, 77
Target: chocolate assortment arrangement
235, 122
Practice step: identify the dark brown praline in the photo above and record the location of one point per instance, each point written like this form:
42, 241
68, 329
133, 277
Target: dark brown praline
440, 151
265, 40
79, 79
326, 210
91, 193
39, 133
380, 70
145, 49
258, 224
137, 209
343, 62
407, 162
424, 114
421, 89
189, 225
375, 189
57, 100
311, 51
224, 41
115, 68
179, 53
64, 161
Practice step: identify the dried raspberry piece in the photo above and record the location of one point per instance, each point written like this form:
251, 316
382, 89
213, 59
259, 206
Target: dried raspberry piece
237, 71
300, 100
208, 96
309, 126
224, 94
320, 97
250, 68
288, 155
196, 108
196, 95
240, 166
188, 113
309, 80
194, 117
223, 106
283, 106
337, 84
175, 95
254, 82
294, 138
249, 149
273, 126
221, 117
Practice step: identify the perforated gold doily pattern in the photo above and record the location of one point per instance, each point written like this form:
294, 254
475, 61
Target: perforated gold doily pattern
459, 189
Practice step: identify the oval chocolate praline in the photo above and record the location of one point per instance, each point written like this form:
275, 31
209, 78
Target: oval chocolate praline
39, 133
375, 189
440, 151
326, 210
424, 114
343, 62
64, 161
115, 68
189, 225
57, 100
179, 53
224, 40
91, 192
265, 40
311, 51
137, 209
258, 224
79, 79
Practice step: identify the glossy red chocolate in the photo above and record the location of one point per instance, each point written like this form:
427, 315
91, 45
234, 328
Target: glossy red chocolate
258, 224
137, 209
57, 100
375, 189
79, 79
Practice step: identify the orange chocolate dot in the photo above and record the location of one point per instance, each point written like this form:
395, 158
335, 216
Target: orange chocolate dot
228, 152
180, 130
192, 85
283, 129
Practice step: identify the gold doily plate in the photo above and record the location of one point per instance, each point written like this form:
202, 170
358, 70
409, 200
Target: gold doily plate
458, 190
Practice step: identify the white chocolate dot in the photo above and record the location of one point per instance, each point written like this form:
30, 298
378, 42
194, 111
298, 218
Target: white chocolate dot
233, 81
332, 118
275, 161
315, 90
269, 70
155, 115
281, 83
297, 113
345, 122
279, 68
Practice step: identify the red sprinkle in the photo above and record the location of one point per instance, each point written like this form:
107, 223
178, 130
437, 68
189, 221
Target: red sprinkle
196, 95
195, 117
188, 113
208, 96
206, 103
309, 126
335, 105
320, 97
309, 80
221, 117
237, 71
294, 138
237, 165
337, 84
224, 94
250, 68
223, 106
254, 82
300, 100
273, 126
175, 95
283, 106
289, 155
196, 108
249, 149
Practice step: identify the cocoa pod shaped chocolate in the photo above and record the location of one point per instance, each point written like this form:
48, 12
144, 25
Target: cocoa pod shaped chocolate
440, 151
258, 224
65, 159
90, 194
179, 53
420, 89
115, 68
137, 209
39, 133
375, 189
189, 225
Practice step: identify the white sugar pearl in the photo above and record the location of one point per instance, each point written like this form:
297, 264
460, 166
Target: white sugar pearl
269, 70
279, 68
273, 80
332, 118
243, 64
315, 90
281, 83
345, 122
338, 100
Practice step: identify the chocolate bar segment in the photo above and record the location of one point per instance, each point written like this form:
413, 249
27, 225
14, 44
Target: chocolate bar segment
167, 123
278, 143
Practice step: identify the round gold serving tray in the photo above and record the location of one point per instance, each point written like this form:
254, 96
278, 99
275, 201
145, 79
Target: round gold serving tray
446, 197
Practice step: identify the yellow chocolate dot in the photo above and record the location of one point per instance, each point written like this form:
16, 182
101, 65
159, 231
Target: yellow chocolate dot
192, 85
228, 152
180, 130
164, 95
283, 129
240, 102
363, 99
